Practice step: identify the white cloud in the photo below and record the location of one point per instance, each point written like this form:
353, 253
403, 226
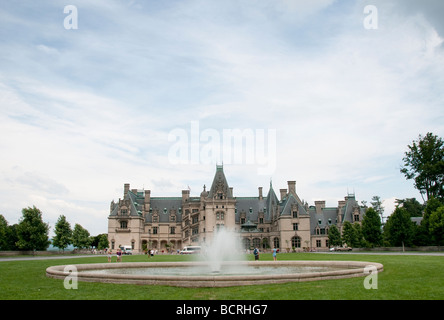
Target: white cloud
85, 111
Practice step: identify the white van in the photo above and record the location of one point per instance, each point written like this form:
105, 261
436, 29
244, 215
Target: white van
126, 249
191, 250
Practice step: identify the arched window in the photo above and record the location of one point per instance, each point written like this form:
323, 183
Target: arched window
246, 243
276, 242
296, 242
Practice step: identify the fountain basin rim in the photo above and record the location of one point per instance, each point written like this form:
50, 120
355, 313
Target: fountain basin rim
347, 269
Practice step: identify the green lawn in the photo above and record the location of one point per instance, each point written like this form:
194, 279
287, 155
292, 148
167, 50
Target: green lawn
404, 277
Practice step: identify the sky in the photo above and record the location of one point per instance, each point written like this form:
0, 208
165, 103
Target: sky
155, 93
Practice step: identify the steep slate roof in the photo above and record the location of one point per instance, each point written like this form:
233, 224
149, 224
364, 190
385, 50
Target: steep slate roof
164, 205
328, 216
271, 202
286, 204
243, 204
220, 184
135, 201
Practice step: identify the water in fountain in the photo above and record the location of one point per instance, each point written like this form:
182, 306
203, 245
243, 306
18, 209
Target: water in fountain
225, 246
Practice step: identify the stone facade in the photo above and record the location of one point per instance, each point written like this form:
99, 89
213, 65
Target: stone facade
170, 223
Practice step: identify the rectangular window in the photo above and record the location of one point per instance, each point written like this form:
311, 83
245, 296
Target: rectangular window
318, 243
173, 230
295, 226
154, 230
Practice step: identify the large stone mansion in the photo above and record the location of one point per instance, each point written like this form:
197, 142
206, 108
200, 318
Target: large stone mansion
171, 223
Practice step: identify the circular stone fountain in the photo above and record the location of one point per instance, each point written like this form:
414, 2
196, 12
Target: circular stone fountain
219, 269
197, 274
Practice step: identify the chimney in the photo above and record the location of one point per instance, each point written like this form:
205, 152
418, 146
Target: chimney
283, 193
260, 193
231, 192
185, 195
126, 188
292, 187
319, 206
147, 199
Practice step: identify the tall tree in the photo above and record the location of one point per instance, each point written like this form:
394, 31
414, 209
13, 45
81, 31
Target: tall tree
359, 238
399, 229
80, 237
377, 205
3, 233
32, 232
371, 228
424, 236
413, 207
100, 241
424, 163
334, 236
437, 226
348, 234
63, 233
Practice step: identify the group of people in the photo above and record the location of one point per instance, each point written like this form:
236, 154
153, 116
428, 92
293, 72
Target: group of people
256, 253
151, 253
118, 254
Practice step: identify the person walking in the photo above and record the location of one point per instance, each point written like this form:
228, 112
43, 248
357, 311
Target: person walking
110, 254
274, 254
256, 254
119, 255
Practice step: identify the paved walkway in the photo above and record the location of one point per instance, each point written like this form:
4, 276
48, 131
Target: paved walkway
103, 256
407, 253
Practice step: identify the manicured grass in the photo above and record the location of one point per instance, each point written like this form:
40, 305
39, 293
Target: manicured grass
404, 278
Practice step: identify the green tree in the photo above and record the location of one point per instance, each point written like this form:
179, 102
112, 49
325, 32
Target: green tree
100, 241
399, 229
371, 228
63, 233
413, 207
3, 233
103, 241
359, 238
80, 237
334, 236
424, 236
8, 235
424, 163
437, 226
32, 232
348, 234
377, 206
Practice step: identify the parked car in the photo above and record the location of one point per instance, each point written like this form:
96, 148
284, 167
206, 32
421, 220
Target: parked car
191, 250
341, 249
